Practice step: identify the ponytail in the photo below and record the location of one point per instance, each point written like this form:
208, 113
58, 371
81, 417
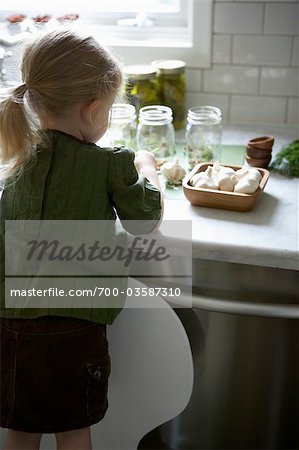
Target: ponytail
17, 131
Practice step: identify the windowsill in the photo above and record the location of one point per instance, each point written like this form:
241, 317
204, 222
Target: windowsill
149, 37
166, 43
143, 45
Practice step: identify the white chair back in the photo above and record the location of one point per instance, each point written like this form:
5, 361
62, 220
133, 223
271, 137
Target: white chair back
152, 372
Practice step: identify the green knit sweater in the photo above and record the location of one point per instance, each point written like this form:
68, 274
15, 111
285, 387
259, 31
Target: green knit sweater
70, 179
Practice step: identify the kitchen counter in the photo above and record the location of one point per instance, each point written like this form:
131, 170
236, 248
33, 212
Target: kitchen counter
266, 236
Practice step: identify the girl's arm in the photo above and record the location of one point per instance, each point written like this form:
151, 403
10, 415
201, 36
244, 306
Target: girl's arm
146, 165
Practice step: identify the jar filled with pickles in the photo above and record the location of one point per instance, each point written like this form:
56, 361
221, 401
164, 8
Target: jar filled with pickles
142, 87
172, 85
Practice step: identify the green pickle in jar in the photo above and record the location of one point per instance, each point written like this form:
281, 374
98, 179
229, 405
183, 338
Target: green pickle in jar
172, 86
142, 87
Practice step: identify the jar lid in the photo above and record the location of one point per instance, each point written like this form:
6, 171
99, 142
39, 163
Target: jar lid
204, 114
169, 66
140, 71
122, 112
155, 115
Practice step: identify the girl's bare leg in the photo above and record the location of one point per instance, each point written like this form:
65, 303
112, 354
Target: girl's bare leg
19, 440
74, 440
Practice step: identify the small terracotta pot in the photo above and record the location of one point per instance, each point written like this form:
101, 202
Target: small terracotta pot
258, 162
262, 142
258, 152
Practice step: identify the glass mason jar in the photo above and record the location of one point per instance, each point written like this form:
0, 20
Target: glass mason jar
122, 125
155, 132
203, 134
142, 86
172, 85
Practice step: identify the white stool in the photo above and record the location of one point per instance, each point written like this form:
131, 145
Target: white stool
152, 373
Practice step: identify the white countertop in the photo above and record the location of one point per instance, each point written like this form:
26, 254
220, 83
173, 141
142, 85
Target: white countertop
266, 236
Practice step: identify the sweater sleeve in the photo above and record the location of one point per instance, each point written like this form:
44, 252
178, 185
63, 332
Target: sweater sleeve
133, 196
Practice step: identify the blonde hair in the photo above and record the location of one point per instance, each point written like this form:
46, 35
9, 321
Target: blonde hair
59, 69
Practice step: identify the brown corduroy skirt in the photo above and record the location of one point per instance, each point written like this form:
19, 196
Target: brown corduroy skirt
54, 374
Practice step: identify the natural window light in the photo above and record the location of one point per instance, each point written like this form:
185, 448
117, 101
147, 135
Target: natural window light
164, 6
141, 30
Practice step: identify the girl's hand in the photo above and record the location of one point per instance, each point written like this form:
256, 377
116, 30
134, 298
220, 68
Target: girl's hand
144, 159
146, 165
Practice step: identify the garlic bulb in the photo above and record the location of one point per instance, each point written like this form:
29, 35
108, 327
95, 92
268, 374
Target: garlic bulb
206, 182
173, 172
217, 169
247, 180
246, 186
255, 174
196, 177
244, 171
204, 179
226, 179
249, 183
241, 173
226, 170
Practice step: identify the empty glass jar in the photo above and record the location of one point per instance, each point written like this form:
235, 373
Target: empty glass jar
155, 132
122, 125
203, 134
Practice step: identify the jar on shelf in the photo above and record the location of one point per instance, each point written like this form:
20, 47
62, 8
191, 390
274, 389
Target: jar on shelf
155, 132
172, 85
203, 134
142, 85
122, 125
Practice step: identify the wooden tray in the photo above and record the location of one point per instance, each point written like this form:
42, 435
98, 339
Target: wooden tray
222, 199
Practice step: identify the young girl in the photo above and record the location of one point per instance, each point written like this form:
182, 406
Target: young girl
55, 363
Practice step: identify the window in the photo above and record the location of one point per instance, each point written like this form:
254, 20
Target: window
139, 30
165, 6
137, 5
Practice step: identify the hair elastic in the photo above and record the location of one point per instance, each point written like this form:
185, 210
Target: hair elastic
24, 87
19, 92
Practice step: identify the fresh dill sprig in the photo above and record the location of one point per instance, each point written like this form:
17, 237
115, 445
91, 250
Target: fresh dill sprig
286, 161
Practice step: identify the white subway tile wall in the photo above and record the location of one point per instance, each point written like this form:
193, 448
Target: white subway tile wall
274, 108
281, 18
272, 1
232, 17
231, 79
254, 75
194, 79
293, 110
262, 50
221, 100
295, 57
221, 48
279, 81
